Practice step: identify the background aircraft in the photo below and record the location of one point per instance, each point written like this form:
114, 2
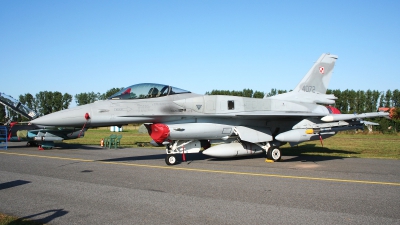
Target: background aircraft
187, 123
35, 135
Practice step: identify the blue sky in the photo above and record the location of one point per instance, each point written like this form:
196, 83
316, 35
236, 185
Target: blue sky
84, 46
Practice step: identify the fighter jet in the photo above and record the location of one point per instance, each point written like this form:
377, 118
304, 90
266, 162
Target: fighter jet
221, 126
35, 135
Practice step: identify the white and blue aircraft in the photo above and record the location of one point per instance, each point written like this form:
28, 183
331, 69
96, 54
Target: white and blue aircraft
41, 136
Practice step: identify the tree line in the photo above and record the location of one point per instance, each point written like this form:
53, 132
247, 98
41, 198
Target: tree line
43, 103
90, 97
46, 102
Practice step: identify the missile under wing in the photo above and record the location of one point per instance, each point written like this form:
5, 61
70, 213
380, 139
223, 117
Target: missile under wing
221, 126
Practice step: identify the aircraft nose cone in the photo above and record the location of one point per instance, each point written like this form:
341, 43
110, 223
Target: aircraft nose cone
74, 117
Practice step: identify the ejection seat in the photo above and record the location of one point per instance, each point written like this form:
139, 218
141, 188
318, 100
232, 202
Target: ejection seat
153, 92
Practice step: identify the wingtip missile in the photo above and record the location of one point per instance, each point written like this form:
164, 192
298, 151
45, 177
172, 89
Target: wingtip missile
339, 117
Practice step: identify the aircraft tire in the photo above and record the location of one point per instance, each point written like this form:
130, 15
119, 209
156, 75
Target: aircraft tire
171, 159
274, 153
31, 144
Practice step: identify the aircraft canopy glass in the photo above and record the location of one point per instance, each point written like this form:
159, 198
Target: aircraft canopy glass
147, 90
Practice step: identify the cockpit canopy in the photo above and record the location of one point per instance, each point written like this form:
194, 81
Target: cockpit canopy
147, 90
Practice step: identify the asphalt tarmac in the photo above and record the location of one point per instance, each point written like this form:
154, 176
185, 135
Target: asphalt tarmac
91, 185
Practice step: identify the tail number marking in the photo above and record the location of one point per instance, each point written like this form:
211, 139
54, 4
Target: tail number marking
309, 89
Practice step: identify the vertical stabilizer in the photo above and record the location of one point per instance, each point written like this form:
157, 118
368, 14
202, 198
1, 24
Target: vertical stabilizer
318, 77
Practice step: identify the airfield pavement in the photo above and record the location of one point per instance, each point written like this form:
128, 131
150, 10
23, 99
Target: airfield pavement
75, 184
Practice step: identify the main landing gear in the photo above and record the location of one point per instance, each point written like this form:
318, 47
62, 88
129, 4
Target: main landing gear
274, 153
171, 159
178, 149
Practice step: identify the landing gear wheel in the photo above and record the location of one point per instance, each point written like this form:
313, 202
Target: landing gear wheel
31, 144
274, 154
171, 159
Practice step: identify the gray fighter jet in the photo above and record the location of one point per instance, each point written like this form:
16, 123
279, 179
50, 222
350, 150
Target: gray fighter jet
221, 126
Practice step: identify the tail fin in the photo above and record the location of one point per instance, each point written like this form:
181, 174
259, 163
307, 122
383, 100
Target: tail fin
312, 88
318, 77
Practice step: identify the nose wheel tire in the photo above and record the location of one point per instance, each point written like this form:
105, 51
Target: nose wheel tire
170, 159
274, 154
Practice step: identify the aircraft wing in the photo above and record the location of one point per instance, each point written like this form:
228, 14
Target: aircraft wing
277, 114
325, 117
267, 115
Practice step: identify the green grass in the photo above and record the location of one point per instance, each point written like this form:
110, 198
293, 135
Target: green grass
348, 144
351, 145
130, 136
11, 220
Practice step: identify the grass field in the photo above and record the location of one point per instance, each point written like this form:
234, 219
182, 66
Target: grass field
361, 145
131, 136
351, 145
10, 220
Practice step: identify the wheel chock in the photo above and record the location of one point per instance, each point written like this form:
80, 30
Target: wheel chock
269, 161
